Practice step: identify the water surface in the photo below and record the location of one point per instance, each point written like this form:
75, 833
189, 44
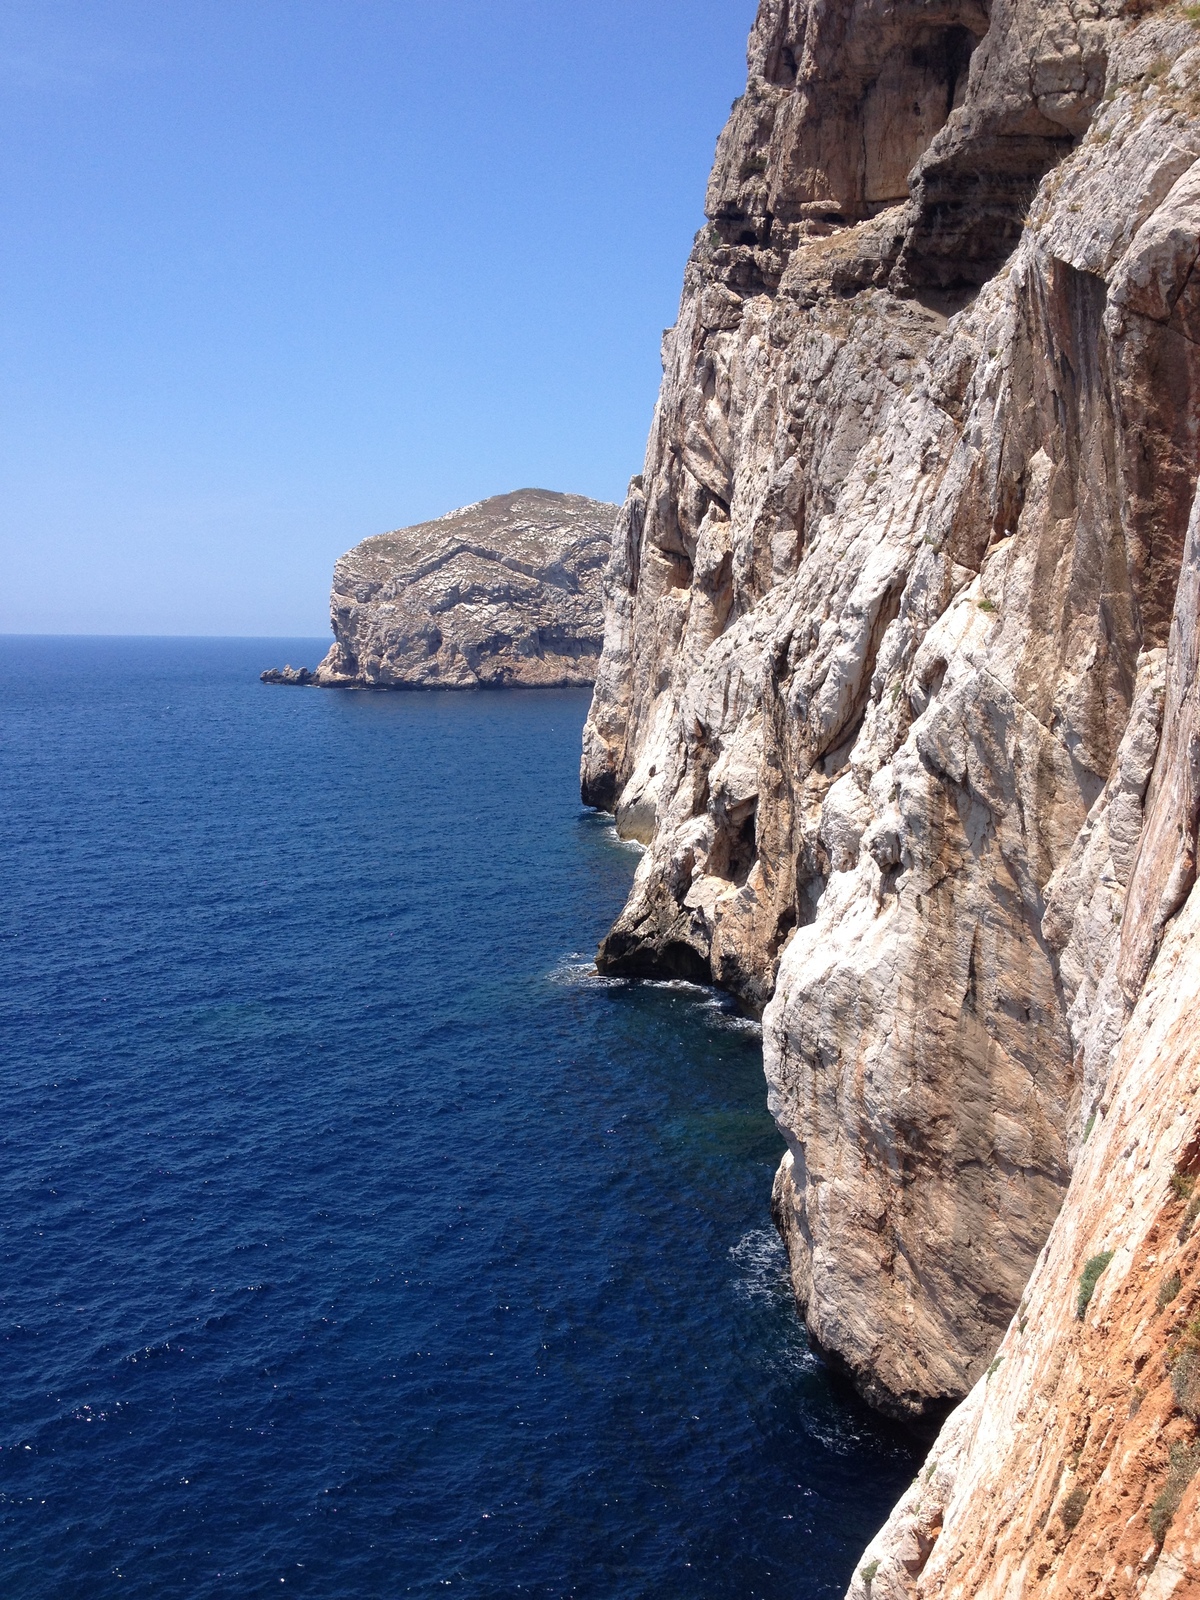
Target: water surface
357, 1238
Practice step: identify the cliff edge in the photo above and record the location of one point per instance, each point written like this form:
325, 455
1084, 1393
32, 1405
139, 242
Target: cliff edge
898, 690
504, 592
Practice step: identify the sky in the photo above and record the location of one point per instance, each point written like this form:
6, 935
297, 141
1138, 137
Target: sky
276, 275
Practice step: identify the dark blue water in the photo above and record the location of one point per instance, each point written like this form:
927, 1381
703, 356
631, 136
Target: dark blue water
355, 1238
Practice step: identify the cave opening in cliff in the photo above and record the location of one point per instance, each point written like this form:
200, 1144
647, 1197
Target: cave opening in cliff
744, 847
918, 84
735, 847
945, 55
783, 69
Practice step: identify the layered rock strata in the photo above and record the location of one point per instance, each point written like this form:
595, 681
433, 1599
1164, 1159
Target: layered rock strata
1073, 1467
504, 592
886, 650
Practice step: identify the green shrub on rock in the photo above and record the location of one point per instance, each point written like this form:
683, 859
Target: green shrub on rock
1184, 1461
1072, 1507
1088, 1280
1185, 1371
1168, 1289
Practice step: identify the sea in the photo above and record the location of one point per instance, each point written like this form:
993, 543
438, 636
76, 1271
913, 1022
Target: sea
358, 1239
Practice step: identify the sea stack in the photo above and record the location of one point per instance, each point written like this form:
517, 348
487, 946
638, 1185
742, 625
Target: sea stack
506, 592
899, 690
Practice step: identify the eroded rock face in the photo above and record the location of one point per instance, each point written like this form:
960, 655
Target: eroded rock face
887, 612
507, 591
1073, 1467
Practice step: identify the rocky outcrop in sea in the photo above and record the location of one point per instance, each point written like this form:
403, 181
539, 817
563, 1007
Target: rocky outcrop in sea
504, 592
898, 689
295, 677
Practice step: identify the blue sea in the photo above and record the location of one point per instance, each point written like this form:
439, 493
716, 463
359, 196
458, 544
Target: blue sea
358, 1240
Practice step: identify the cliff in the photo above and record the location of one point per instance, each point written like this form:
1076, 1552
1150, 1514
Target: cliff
1071, 1468
897, 687
507, 591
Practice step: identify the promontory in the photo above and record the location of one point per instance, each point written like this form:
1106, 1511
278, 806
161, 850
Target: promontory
503, 592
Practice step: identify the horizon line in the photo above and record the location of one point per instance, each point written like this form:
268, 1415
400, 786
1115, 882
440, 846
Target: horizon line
46, 634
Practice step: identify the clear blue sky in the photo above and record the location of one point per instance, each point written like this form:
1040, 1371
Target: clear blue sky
278, 274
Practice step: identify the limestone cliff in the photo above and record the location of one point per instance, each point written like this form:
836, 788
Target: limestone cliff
886, 649
899, 688
507, 591
1073, 1467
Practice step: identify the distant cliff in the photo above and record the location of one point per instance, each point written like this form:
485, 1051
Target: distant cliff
898, 687
507, 591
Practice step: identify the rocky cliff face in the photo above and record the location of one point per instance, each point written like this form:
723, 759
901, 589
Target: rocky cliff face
899, 687
507, 591
1072, 1469
890, 686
